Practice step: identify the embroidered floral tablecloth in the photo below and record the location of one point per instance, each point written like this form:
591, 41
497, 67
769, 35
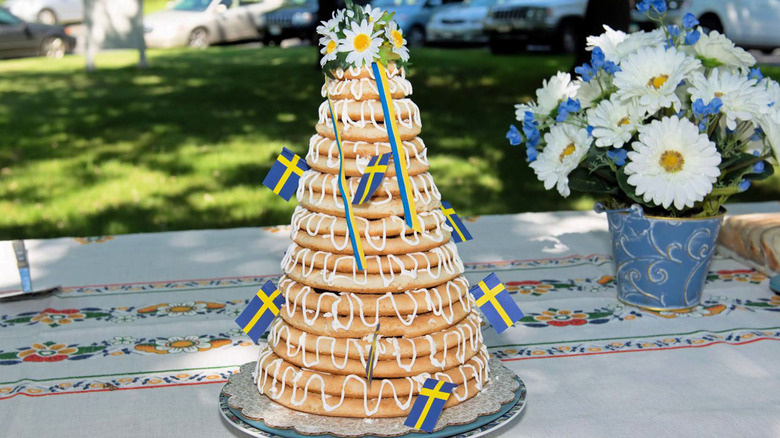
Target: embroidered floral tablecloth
142, 336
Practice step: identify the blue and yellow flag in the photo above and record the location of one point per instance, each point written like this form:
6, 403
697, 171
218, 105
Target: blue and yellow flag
371, 179
459, 231
495, 303
285, 174
261, 311
429, 404
352, 229
371, 361
399, 156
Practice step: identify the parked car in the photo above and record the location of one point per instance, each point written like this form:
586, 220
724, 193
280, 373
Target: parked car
19, 38
295, 19
413, 16
460, 23
47, 11
752, 24
512, 26
200, 23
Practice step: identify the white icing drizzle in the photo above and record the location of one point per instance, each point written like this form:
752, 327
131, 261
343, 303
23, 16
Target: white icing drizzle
300, 390
368, 113
423, 188
355, 71
356, 87
333, 153
321, 224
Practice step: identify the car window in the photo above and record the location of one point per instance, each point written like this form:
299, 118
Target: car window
392, 3
191, 5
6, 18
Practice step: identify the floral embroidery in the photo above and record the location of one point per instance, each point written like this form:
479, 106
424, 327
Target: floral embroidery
737, 275
696, 312
54, 317
47, 352
93, 239
561, 318
535, 288
181, 309
182, 344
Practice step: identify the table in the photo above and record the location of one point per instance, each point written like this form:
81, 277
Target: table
142, 337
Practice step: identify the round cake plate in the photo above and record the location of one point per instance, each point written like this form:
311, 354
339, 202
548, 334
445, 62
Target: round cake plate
481, 426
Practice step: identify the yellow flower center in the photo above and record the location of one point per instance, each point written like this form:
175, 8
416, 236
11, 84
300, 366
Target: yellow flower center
624, 121
672, 161
331, 47
362, 42
718, 94
398, 39
182, 344
566, 152
657, 81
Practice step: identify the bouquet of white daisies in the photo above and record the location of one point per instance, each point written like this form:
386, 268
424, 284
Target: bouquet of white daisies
357, 36
675, 120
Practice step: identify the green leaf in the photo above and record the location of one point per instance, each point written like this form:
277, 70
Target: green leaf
9, 355
769, 170
18, 320
627, 188
583, 181
90, 349
709, 62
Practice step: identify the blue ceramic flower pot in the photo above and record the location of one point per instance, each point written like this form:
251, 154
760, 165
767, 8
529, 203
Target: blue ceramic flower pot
662, 263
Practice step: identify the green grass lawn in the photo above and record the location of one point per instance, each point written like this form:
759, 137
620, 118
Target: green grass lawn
186, 143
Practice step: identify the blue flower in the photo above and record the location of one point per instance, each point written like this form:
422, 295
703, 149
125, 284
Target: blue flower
597, 58
681, 114
692, 37
659, 5
611, 68
715, 105
744, 185
532, 154
673, 30
758, 167
586, 71
590, 130
530, 130
703, 124
565, 108
700, 110
758, 135
514, 136
643, 6
755, 73
618, 156
689, 21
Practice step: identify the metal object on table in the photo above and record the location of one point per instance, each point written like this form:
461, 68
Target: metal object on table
257, 415
23, 264
774, 284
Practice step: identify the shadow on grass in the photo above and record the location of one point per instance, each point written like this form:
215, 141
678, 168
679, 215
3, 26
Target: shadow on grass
186, 143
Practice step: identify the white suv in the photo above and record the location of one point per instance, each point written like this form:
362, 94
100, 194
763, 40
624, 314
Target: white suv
517, 23
47, 11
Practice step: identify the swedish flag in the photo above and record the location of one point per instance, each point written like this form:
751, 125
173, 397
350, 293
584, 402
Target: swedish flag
429, 404
371, 361
460, 233
495, 303
285, 174
371, 179
261, 311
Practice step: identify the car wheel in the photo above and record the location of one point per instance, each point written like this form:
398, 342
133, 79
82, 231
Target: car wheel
501, 47
47, 16
53, 47
416, 37
768, 51
710, 22
199, 38
568, 39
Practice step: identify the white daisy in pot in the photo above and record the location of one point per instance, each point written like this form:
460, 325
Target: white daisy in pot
566, 147
742, 99
715, 49
395, 35
615, 122
361, 43
652, 75
554, 91
672, 163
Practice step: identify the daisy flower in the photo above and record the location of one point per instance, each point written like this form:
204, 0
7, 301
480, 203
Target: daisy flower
742, 100
558, 89
328, 27
672, 163
588, 93
614, 123
361, 43
374, 14
329, 48
617, 45
716, 46
522, 108
651, 75
566, 147
395, 35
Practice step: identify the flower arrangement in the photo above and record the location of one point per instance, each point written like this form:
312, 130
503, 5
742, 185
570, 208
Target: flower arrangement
674, 120
357, 36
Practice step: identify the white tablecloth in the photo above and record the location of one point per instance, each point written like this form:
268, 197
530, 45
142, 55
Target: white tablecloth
98, 359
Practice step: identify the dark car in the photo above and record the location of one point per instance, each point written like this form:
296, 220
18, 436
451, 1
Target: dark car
19, 38
295, 19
